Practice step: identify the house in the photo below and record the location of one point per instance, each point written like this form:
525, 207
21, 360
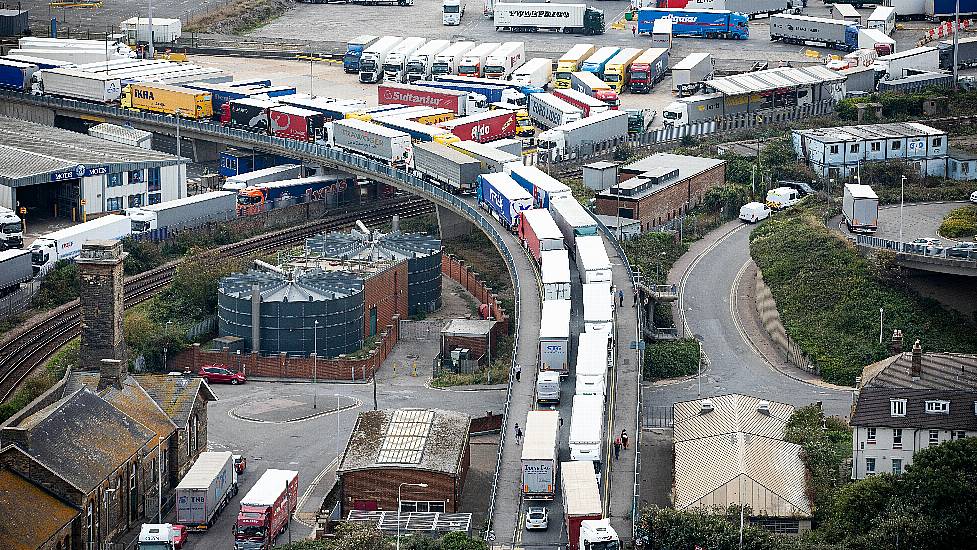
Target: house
391, 452
730, 450
911, 401
961, 165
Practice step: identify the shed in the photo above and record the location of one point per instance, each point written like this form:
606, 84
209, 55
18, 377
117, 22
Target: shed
600, 175
478, 336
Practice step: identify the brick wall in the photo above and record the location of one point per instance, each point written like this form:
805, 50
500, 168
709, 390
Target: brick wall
387, 292
458, 270
478, 346
381, 485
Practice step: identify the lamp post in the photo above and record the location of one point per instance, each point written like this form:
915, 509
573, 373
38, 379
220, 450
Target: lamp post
152, 49
315, 363
881, 314
401, 486
166, 342
902, 203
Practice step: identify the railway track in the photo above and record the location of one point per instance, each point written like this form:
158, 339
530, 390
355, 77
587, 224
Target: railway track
28, 348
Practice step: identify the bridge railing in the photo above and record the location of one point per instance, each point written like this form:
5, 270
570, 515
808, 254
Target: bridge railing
927, 251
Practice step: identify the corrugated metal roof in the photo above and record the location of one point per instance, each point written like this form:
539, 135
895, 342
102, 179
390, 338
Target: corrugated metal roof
730, 414
772, 79
406, 437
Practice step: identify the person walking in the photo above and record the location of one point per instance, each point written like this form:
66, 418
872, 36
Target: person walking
624, 438
634, 30
518, 371
518, 435
620, 298
617, 448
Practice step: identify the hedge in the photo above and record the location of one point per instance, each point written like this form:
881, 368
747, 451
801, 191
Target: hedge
671, 359
960, 223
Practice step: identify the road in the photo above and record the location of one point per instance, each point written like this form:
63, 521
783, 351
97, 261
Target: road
918, 221
734, 366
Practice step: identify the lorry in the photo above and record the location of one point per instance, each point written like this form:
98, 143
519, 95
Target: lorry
748, 7
591, 366
966, 52
570, 62
549, 111
661, 33
860, 206
461, 102
372, 140
547, 387
539, 232
234, 162
330, 109
582, 509
16, 75
691, 22
115, 46
447, 61
38, 62
67, 55
249, 113
573, 221
535, 17
846, 12
554, 336
420, 63
896, 65
503, 197
354, 49
75, 84
11, 229
451, 12
617, 69
802, 29
500, 63
688, 73
877, 40
205, 490
909, 9
329, 186
161, 536
169, 100
374, 56
15, 268
266, 510
65, 244
543, 187
540, 455
883, 18
555, 274
583, 136
587, 430
453, 170
647, 70
496, 92
395, 63
590, 84
264, 175
593, 264
296, 123
490, 158
597, 62
524, 124
534, 74
588, 105
473, 62
483, 127
598, 304
419, 132
186, 212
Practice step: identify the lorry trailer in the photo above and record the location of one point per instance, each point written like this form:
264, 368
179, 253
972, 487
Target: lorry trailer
860, 206
503, 197
692, 22
372, 140
590, 84
483, 127
748, 7
591, 366
572, 220
491, 159
205, 490
169, 100
186, 212
540, 455
539, 232
452, 170
234, 162
587, 430
15, 268
249, 113
882, 19
296, 123
966, 52
592, 261
16, 75
371, 62
582, 509
354, 49
266, 509
549, 111
329, 186
555, 274
65, 244
901, 64
588, 105
447, 61
617, 69
500, 63
535, 17
597, 62
874, 39
543, 187
535, 75
584, 135
75, 84
264, 175
554, 336
473, 62
570, 62
598, 304
694, 69
419, 132
461, 102
802, 29
420, 63
647, 70
846, 12
493, 93
395, 63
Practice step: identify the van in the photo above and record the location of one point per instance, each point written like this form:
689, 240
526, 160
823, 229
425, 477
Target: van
752, 212
782, 197
548, 386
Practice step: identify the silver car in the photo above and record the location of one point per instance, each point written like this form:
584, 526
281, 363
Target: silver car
537, 518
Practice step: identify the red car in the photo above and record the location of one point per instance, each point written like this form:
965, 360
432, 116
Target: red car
179, 536
222, 373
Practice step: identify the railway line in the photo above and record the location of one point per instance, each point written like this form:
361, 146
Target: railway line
26, 349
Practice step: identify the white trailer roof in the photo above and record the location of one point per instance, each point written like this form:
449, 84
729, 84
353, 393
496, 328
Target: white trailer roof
576, 52
267, 489
328, 176
542, 224
555, 266
861, 191
540, 442
582, 497
572, 212
594, 119
12, 253
81, 228
591, 253
554, 322
907, 53
486, 151
203, 471
591, 354
371, 128
202, 197
691, 60
587, 422
598, 302
881, 13
246, 176
540, 178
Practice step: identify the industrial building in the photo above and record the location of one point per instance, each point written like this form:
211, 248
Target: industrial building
730, 450
837, 153
389, 448
657, 189
58, 173
778, 88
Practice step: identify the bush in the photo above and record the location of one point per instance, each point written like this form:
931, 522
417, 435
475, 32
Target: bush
960, 223
826, 444
58, 287
193, 292
671, 359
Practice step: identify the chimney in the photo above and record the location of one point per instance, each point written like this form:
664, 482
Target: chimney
16, 436
895, 346
111, 372
917, 368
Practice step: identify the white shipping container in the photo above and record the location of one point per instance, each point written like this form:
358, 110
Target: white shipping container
592, 262
164, 30
555, 273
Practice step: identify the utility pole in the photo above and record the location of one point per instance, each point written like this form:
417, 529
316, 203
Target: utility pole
152, 49
956, 41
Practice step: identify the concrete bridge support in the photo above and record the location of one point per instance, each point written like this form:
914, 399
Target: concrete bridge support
452, 225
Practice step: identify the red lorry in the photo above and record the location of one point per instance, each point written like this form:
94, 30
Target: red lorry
483, 127
539, 232
590, 105
296, 123
462, 103
266, 510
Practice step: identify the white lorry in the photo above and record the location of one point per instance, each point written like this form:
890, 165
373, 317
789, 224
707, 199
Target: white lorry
75, 84
473, 62
860, 206
535, 17
536, 73
372, 140
877, 40
587, 428
186, 212
598, 305
451, 12
694, 69
555, 274
591, 366
265, 175
896, 65
395, 64
373, 58
421, 62
447, 61
540, 455
592, 261
11, 229
579, 136
205, 490
554, 336
65, 244
549, 111
500, 63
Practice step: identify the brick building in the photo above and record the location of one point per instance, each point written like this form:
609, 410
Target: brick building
659, 188
476, 335
414, 446
101, 290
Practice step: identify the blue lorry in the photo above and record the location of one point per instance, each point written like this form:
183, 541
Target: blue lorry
354, 50
221, 94
541, 185
503, 197
15, 75
692, 22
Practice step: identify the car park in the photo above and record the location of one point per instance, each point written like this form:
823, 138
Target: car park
222, 373
537, 518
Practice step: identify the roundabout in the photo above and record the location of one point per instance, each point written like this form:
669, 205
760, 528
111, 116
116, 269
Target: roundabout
292, 408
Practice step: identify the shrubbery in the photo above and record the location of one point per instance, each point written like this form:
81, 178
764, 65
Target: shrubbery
960, 223
671, 359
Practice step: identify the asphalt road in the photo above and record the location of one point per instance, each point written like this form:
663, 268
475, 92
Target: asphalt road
734, 367
918, 221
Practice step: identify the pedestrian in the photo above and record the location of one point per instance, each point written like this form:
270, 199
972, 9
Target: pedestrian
634, 30
561, 421
617, 448
518, 371
620, 298
518, 434
624, 438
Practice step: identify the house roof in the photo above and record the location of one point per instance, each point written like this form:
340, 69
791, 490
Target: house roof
468, 327
418, 439
869, 132
31, 516
83, 439
132, 400
948, 371
960, 155
654, 166
175, 395
731, 413
873, 408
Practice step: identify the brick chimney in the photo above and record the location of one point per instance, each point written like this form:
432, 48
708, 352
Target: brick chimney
917, 367
895, 346
111, 372
16, 436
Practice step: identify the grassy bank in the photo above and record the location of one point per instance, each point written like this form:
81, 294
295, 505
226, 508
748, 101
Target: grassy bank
239, 16
829, 298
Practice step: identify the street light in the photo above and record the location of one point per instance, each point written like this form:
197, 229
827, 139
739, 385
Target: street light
315, 363
401, 486
166, 342
881, 313
902, 203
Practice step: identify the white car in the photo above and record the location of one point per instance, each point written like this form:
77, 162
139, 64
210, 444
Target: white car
973, 197
754, 212
537, 518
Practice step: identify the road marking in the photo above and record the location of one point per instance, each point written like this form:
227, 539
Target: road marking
312, 487
688, 272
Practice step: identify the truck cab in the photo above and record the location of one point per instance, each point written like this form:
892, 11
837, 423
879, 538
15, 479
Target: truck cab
11, 229
143, 221
161, 536
548, 387
44, 255
452, 12
251, 529
597, 534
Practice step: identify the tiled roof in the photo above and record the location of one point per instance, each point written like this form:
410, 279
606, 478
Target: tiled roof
424, 439
949, 371
30, 516
83, 439
175, 394
132, 400
873, 408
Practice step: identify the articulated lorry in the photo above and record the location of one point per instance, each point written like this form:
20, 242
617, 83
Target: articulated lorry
263, 175
616, 71
15, 75
554, 332
588, 105
543, 187
15, 268
451, 169
688, 73
168, 100
373, 58
395, 64
691, 22
583, 512
329, 186
473, 62
354, 49
748, 7
66, 244
11, 229
570, 62
75, 84
186, 212
549, 111
591, 84
539, 232
483, 127
447, 61
503, 197
372, 140
266, 509
573, 220
802, 29
540, 455
420, 63
647, 70
534, 75
565, 18
205, 490
579, 136
463, 103
597, 62
500, 63
493, 93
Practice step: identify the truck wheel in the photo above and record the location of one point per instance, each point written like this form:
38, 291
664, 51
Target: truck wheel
498, 29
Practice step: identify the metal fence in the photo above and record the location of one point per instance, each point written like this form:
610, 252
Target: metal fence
19, 300
423, 331
202, 327
901, 247
657, 416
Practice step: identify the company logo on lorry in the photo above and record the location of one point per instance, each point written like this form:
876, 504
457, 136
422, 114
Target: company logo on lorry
414, 98
143, 94
540, 13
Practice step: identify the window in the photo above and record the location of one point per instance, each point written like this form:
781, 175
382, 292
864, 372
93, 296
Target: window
937, 142
853, 148
422, 506
114, 180
965, 168
834, 149
895, 145
934, 437
192, 441
155, 198
135, 201
897, 438
90, 524
113, 203
958, 434
938, 407
869, 466
870, 435
897, 407
154, 183
876, 146
135, 176
896, 466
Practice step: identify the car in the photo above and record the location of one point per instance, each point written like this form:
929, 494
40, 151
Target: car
537, 518
799, 186
753, 212
973, 197
222, 373
925, 245
963, 250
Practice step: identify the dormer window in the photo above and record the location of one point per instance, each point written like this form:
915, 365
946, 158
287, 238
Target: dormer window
897, 407
937, 407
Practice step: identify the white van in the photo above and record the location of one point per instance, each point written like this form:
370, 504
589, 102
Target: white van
753, 212
548, 386
782, 197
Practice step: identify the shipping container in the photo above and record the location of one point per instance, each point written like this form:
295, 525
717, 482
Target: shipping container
503, 197
573, 220
554, 336
555, 274
483, 127
540, 455
164, 30
846, 12
450, 168
204, 491
543, 187
234, 162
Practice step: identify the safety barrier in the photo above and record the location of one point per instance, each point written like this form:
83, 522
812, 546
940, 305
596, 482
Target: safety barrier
922, 251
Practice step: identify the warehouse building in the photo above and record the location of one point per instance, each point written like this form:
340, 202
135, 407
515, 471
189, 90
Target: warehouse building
657, 189
58, 173
390, 448
837, 153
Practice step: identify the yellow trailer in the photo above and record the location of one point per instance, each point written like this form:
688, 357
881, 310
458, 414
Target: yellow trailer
169, 100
